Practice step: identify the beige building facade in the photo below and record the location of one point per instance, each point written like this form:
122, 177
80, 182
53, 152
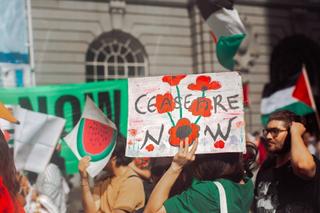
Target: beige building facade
76, 41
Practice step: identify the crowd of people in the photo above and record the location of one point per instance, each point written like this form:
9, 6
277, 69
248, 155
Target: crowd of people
280, 172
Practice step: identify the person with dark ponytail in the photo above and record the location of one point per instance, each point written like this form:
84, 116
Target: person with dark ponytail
219, 184
9, 185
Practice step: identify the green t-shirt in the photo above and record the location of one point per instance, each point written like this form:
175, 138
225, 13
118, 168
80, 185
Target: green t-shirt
203, 196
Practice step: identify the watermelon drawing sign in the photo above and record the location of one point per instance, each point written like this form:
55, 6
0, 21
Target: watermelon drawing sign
95, 139
164, 110
95, 136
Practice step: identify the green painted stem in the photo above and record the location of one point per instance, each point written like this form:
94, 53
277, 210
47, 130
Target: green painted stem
179, 98
171, 118
197, 120
203, 95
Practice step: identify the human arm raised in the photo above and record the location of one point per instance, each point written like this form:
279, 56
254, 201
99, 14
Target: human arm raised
87, 196
301, 159
161, 191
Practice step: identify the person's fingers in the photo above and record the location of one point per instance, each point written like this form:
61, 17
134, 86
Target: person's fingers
181, 146
87, 158
186, 145
82, 160
84, 163
193, 158
194, 147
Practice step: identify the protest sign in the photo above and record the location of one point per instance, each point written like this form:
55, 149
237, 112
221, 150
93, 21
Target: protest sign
95, 136
164, 110
67, 101
35, 139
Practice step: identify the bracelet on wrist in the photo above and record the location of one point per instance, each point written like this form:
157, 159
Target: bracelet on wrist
84, 184
84, 178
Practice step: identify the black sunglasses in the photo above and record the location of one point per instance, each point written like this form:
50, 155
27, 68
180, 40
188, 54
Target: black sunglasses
273, 131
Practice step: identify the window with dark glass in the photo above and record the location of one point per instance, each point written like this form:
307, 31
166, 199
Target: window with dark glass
115, 55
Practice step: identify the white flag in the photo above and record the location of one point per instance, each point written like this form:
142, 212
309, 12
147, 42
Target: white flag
35, 139
95, 136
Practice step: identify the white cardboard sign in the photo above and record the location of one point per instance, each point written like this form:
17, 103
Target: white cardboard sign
165, 109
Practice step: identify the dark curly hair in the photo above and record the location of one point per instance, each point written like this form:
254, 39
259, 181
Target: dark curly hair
286, 116
120, 151
7, 168
221, 165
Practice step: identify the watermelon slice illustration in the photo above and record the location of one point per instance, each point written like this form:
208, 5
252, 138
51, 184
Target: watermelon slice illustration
95, 139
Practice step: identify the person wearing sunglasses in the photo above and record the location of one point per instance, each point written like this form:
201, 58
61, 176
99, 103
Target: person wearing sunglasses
289, 180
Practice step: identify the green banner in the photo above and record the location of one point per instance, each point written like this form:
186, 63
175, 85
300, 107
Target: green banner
67, 101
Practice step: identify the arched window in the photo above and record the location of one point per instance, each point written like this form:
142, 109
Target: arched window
115, 55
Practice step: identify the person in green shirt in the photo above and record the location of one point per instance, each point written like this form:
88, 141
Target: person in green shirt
203, 195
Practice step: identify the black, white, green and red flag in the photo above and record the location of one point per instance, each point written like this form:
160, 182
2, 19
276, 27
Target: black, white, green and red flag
294, 95
245, 89
226, 28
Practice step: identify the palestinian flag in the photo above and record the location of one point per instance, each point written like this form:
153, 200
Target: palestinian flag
226, 28
245, 90
294, 95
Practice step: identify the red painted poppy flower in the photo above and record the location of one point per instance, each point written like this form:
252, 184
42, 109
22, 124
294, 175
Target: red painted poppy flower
183, 129
133, 132
201, 107
173, 80
203, 83
150, 148
165, 103
219, 144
